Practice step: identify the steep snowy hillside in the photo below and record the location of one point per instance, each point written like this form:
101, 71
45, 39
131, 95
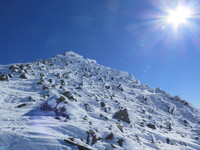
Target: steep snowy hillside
67, 102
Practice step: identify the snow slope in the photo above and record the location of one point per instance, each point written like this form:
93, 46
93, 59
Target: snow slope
67, 102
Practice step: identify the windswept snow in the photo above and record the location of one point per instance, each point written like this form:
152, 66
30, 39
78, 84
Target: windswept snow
67, 102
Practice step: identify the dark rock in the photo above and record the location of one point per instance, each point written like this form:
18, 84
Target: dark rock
94, 139
107, 87
87, 107
185, 121
10, 75
24, 76
58, 118
60, 99
103, 104
46, 96
152, 126
110, 137
30, 99
69, 96
120, 87
45, 106
42, 75
142, 124
168, 140
113, 146
13, 67
103, 117
62, 82
177, 98
66, 116
183, 143
62, 109
45, 88
121, 128
80, 147
50, 81
4, 78
85, 118
122, 115
21, 105
120, 142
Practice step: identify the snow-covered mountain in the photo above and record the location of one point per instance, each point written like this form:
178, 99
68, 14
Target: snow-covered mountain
67, 102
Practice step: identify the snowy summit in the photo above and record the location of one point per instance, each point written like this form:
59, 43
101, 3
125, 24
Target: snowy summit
71, 103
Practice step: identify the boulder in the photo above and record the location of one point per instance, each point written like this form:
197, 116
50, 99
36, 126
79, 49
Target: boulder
21, 105
23, 76
4, 78
45, 106
79, 146
69, 96
92, 137
110, 137
103, 104
120, 142
61, 99
152, 126
122, 115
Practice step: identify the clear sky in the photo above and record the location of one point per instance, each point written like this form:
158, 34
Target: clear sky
122, 34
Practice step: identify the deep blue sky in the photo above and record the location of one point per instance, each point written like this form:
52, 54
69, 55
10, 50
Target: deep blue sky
121, 34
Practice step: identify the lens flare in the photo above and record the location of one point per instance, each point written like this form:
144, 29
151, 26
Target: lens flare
179, 16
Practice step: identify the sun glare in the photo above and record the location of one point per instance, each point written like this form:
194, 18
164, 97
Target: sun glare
179, 16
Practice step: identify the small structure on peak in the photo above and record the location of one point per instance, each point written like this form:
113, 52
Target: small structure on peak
72, 54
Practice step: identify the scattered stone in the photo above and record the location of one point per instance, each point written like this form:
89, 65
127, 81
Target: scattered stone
80, 147
24, 76
183, 143
87, 107
113, 146
168, 140
103, 117
110, 137
85, 117
107, 87
30, 99
45, 106
121, 128
50, 81
122, 115
60, 99
10, 75
62, 82
94, 139
69, 96
120, 142
120, 87
152, 126
4, 78
103, 104
185, 121
42, 75
66, 116
13, 67
57, 117
21, 105
45, 88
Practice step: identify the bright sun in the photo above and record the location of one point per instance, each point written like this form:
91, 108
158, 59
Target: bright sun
178, 16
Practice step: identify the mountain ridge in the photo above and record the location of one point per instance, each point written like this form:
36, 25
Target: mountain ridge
68, 102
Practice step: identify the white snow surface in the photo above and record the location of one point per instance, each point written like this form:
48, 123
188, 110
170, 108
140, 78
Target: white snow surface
68, 98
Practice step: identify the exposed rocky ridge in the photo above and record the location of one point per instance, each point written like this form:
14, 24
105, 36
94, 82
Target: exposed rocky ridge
94, 107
